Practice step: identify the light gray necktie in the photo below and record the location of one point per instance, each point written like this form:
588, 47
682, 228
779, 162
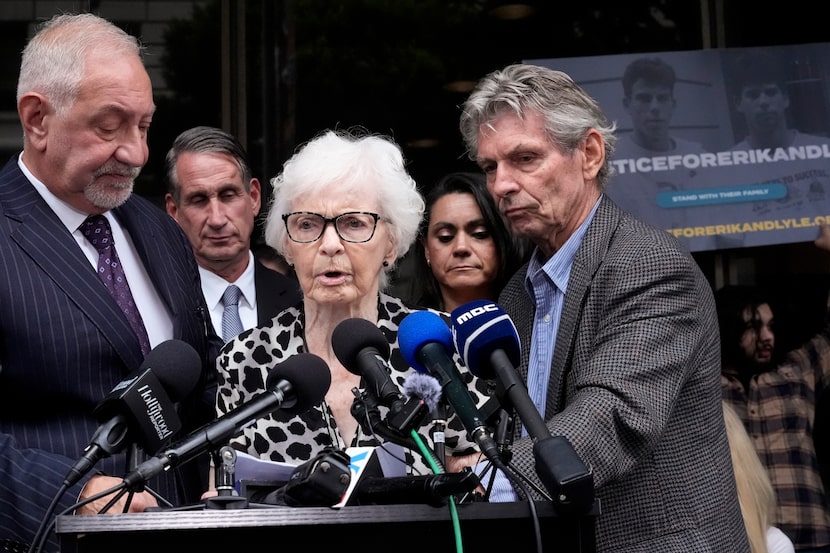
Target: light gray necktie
231, 323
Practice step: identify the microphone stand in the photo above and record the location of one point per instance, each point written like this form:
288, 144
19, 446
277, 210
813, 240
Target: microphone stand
503, 435
134, 457
439, 423
396, 429
224, 463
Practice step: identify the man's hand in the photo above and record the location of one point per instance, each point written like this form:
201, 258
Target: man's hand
456, 464
823, 241
100, 483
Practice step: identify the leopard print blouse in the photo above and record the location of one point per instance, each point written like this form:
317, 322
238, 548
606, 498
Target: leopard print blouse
243, 366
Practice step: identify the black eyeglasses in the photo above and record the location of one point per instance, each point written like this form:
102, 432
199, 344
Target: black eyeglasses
352, 226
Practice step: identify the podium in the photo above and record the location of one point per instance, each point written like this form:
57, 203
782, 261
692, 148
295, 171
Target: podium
399, 528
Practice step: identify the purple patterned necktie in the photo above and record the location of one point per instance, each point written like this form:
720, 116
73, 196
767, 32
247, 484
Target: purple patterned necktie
97, 230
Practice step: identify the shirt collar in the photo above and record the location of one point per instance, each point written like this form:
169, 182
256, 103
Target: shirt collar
558, 267
68, 215
213, 286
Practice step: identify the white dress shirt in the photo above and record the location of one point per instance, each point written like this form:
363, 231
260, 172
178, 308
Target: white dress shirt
154, 313
213, 286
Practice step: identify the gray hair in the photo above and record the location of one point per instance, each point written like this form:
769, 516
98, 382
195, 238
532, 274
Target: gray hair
53, 60
205, 140
569, 112
336, 159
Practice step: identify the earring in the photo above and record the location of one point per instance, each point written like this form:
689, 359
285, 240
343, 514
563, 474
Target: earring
385, 263
429, 263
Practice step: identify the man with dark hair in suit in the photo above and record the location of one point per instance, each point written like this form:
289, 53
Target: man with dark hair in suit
215, 199
85, 103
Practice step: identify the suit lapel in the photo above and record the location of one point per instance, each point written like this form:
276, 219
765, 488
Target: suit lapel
274, 292
267, 295
585, 265
41, 235
150, 248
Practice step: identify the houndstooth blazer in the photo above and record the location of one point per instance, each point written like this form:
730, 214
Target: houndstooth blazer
635, 387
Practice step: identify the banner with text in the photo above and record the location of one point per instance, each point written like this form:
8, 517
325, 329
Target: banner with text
733, 153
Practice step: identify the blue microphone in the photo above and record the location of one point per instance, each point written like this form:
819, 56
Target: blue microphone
426, 343
488, 342
480, 328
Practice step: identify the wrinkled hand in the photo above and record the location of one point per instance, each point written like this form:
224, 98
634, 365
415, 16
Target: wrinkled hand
100, 483
823, 241
456, 464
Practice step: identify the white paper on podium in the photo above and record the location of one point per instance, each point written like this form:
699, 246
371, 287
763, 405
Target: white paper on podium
390, 457
255, 469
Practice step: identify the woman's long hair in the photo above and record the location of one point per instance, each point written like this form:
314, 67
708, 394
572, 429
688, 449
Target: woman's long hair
755, 492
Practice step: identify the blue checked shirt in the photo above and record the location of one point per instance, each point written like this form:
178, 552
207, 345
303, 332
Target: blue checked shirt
547, 285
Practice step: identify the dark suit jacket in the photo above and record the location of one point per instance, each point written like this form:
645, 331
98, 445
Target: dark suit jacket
635, 387
64, 344
274, 292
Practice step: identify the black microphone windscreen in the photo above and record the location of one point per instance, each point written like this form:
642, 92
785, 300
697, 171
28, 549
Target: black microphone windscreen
309, 377
177, 366
353, 335
171, 370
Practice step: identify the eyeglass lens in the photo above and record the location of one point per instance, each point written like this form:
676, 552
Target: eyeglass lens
351, 226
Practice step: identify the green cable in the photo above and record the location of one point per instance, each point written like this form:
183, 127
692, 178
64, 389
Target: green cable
436, 469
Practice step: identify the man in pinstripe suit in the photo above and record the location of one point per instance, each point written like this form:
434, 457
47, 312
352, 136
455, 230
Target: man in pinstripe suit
620, 344
85, 104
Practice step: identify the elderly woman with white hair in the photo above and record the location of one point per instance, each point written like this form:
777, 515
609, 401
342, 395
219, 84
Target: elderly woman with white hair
343, 211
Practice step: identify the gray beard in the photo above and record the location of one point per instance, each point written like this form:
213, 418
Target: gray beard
108, 197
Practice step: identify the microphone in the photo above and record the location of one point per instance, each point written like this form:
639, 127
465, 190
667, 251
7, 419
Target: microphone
424, 387
428, 390
141, 407
295, 385
363, 349
488, 342
432, 489
425, 342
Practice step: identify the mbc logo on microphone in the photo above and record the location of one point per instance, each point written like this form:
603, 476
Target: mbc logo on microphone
476, 311
491, 330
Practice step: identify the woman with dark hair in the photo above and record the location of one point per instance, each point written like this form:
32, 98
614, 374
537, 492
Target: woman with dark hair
464, 250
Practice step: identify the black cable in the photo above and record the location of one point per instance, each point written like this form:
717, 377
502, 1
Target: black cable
39, 537
531, 483
46, 525
518, 479
115, 499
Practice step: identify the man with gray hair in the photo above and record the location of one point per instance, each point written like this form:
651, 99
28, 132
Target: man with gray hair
93, 277
619, 339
